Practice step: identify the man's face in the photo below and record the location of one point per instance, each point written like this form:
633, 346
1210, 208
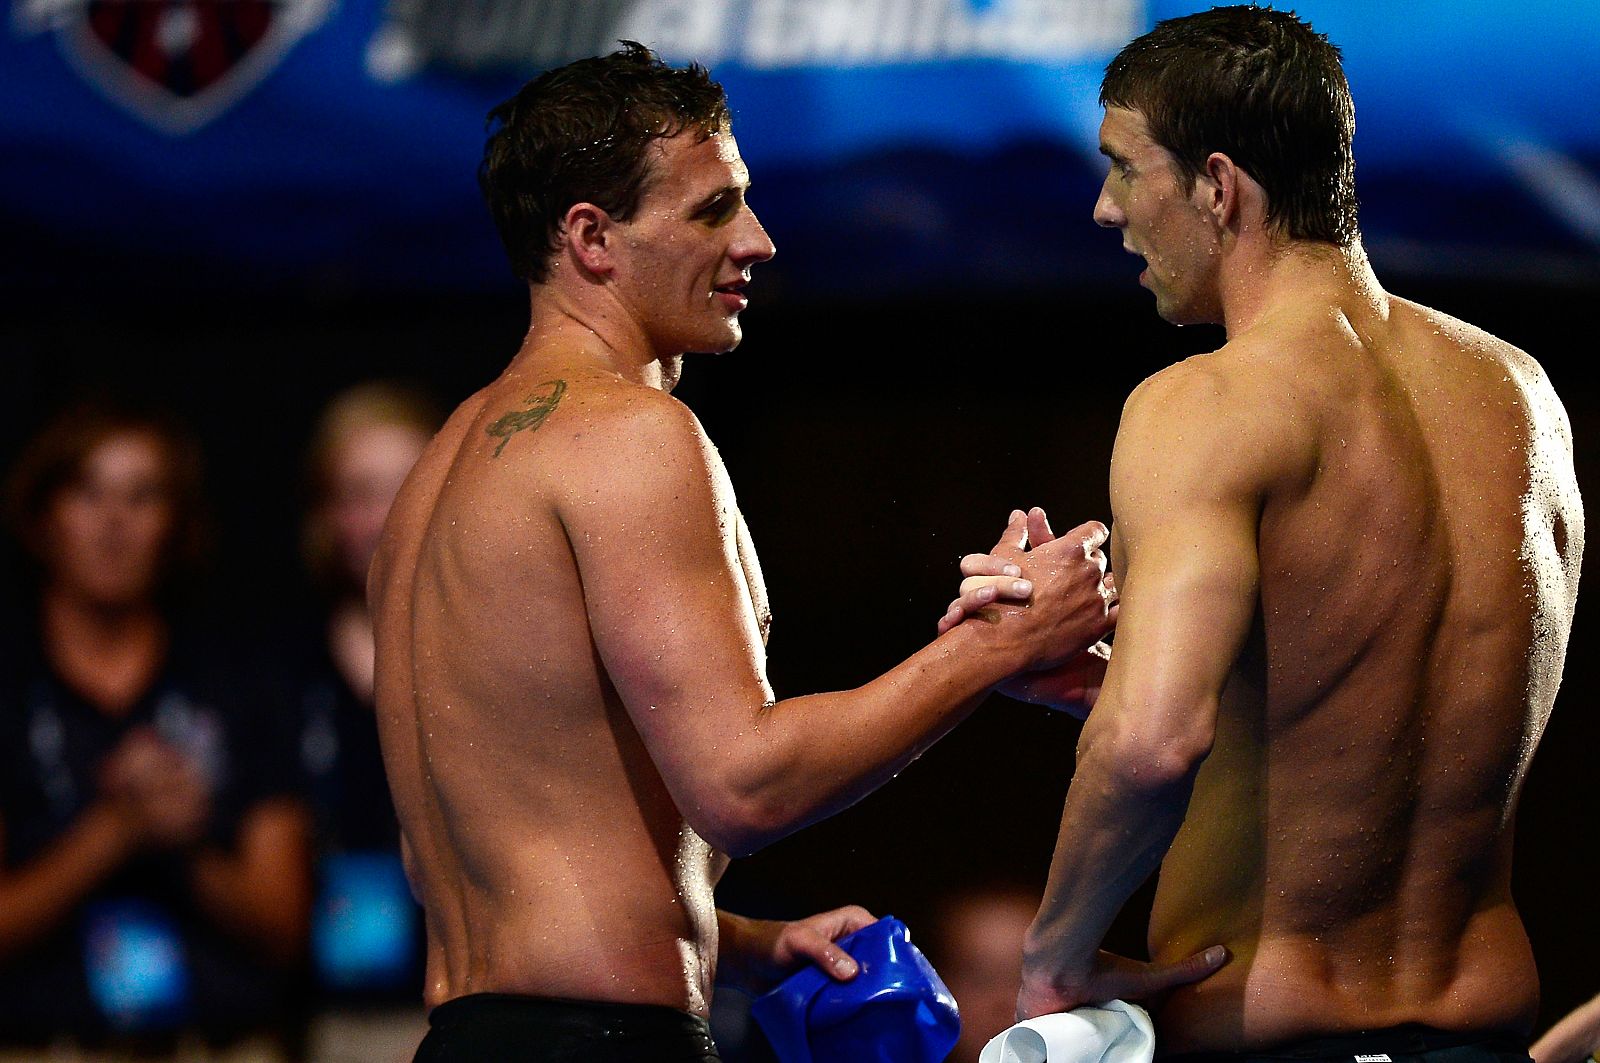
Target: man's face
1143, 196
367, 469
686, 254
106, 532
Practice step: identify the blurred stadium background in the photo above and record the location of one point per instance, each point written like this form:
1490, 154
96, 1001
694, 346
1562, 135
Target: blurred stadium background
241, 207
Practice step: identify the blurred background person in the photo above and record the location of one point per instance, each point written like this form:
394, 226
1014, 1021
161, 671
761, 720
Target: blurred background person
973, 938
366, 929
153, 866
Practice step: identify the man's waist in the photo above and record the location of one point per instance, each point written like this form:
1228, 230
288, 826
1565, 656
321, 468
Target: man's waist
1387, 1045
598, 1017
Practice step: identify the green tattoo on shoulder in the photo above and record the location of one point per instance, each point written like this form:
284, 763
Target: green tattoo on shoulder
536, 408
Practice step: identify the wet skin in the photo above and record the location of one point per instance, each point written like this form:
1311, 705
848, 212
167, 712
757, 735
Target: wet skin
1349, 837
570, 618
1348, 546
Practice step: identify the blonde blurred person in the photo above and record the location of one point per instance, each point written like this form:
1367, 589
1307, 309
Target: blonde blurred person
366, 929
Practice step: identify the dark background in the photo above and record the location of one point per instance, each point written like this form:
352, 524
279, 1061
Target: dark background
872, 441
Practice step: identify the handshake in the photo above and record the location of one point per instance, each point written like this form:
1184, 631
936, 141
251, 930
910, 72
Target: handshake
1057, 593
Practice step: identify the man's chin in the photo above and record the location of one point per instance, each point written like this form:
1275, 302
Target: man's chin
721, 344
1186, 314
1171, 310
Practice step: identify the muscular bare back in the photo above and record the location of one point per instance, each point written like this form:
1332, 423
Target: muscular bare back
1419, 535
545, 846
573, 703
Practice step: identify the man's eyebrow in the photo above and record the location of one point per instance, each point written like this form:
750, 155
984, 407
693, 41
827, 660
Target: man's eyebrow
720, 194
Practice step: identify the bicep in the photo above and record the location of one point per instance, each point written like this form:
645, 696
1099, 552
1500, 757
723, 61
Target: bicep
667, 598
1188, 592
1187, 489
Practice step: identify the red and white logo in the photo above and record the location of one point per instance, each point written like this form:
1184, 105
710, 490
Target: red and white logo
176, 64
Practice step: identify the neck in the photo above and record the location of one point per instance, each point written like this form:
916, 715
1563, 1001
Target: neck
109, 655
589, 329
1272, 273
352, 647
74, 621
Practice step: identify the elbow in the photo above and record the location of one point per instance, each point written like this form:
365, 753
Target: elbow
733, 835
1152, 752
741, 820
734, 841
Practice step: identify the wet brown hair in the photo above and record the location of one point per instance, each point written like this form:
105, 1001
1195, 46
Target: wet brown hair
580, 134
1265, 89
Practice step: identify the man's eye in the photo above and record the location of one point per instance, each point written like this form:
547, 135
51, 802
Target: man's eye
721, 211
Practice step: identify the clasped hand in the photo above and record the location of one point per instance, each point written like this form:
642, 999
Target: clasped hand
1070, 673
161, 794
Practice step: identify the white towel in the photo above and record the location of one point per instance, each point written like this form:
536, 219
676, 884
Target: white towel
1118, 1032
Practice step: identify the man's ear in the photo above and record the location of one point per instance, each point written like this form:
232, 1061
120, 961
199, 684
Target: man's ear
1221, 188
590, 238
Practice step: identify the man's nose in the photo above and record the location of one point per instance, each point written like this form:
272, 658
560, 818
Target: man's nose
1106, 211
753, 245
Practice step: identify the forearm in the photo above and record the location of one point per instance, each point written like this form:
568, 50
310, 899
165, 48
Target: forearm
735, 944
755, 954
261, 891
266, 914
1126, 802
37, 897
803, 759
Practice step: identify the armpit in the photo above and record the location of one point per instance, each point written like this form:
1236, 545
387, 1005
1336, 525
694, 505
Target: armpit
754, 581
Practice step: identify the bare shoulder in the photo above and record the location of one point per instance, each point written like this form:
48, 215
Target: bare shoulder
624, 433
1233, 376
1235, 418
612, 454
576, 431
1194, 386
1517, 366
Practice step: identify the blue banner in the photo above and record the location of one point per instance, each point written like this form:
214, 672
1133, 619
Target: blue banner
332, 144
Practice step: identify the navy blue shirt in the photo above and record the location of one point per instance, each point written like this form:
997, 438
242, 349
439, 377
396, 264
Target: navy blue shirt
137, 955
367, 935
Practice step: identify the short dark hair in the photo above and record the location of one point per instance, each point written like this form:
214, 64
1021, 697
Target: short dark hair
579, 134
1263, 88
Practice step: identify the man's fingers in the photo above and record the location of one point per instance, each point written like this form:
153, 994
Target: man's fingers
1039, 531
1091, 533
988, 565
1160, 977
980, 591
1108, 590
985, 589
1015, 537
852, 917
811, 944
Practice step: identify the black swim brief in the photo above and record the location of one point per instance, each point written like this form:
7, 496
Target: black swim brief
1398, 1044
501, 1028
